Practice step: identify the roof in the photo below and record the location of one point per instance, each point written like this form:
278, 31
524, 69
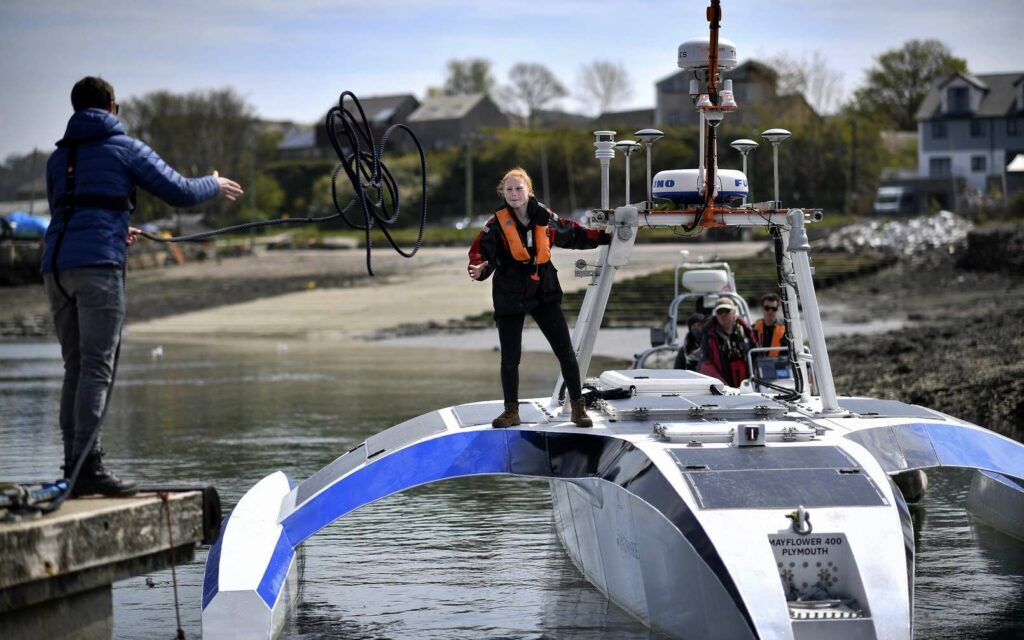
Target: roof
969, 77
446, 107
298, 138
379, 109
998, 94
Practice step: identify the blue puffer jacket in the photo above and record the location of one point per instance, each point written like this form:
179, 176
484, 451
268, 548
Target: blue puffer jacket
109, 164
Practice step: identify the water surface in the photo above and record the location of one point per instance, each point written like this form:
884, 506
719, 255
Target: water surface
468, 558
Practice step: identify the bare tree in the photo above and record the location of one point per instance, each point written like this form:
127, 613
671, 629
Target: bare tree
531, 87
603, 84
472, 75
820, 85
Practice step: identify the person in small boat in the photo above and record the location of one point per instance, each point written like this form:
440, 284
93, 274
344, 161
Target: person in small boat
770, 330
689, 353
515, 246
727, 339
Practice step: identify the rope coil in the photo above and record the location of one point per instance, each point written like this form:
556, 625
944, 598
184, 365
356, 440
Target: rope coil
368, 175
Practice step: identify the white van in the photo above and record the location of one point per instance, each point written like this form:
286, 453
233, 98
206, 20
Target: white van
893, 200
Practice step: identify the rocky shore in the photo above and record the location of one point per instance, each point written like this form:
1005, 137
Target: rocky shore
963, 354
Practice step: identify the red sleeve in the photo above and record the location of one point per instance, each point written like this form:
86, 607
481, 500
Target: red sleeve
485, 247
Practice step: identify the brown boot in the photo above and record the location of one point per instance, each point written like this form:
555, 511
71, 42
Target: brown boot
508, 418
579, 414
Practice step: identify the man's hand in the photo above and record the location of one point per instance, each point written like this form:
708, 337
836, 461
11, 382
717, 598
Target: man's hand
476, 270
133, 236
228, 188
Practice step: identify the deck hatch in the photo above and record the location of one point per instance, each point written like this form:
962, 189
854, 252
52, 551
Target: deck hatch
879, 408
734, 459
471, 415
701, 407
341, 465
782, 489
405, 432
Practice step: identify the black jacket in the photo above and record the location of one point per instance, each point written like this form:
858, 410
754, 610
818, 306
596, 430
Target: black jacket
514, 290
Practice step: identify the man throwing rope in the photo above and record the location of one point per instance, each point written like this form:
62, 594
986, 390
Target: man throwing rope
90, 183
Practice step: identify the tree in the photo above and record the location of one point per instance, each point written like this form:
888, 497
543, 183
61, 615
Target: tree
264, 198
196, 133
821, 85
604, 84
901, 78
531, 87
472, 75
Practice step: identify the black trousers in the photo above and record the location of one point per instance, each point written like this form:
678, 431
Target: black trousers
551, 320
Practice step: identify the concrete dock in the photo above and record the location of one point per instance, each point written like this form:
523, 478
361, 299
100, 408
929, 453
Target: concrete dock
56, 571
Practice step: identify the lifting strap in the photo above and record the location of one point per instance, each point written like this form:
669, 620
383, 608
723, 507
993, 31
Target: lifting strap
69, 201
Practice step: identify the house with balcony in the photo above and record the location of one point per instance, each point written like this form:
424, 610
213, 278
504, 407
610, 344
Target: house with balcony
972, 126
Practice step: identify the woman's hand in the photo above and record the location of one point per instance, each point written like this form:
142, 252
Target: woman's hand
477, 270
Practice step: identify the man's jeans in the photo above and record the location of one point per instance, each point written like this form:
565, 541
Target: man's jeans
88, 325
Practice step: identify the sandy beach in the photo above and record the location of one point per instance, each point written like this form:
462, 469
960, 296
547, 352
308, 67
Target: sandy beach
432, 287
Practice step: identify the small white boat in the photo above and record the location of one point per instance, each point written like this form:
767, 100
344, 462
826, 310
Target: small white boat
703, 510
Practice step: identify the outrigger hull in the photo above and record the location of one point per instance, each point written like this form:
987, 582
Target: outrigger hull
665, 514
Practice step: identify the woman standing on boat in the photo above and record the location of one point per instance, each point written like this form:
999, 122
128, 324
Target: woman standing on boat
515, 245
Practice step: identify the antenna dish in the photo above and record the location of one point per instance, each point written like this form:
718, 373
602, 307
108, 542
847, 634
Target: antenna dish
743, 145
775, 136
627, 146
693, 54
649, 136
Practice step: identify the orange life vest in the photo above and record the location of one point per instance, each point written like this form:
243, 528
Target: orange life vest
778, 332
515, 243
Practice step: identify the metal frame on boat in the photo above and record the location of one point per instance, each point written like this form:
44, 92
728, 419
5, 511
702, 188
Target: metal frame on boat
703, 510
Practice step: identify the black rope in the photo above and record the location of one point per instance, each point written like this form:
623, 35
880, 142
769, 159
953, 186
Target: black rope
165, 497
367, 173
780, 276
374, 185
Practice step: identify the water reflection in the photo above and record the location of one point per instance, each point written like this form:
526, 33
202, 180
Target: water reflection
468, 558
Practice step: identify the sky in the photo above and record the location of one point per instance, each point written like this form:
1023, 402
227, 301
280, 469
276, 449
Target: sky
290, 59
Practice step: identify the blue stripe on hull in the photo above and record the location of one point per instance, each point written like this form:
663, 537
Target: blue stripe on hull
211, 576
926, 444
459, 454
524, 452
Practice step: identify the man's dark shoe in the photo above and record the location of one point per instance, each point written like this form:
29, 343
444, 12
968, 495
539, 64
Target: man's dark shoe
97, 479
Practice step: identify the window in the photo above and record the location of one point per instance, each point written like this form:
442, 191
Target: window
958, 100
938, 130
979, 164
977, 131
939, 168
1013, 126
